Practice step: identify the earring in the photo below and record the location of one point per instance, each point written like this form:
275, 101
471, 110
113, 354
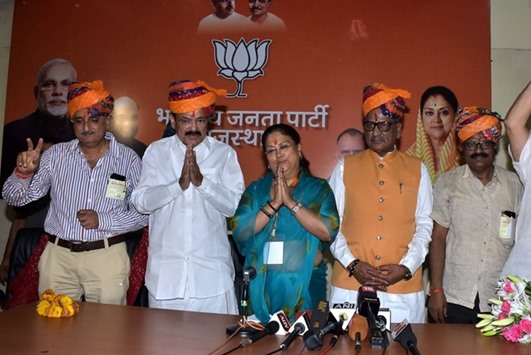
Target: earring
300, 156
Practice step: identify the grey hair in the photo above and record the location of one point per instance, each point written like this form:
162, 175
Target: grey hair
51, 63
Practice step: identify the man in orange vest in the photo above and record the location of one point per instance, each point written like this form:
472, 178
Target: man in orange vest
384, 199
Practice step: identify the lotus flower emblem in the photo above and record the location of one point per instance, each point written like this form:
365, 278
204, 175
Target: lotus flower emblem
244, 61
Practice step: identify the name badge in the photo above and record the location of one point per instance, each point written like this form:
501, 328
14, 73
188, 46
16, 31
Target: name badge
116, 187
274, 253
507, 225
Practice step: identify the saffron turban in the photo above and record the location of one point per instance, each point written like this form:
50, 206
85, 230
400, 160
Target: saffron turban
390, 101
91, 96
188, 96
472, 120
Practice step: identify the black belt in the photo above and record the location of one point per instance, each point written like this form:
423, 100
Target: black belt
77, 247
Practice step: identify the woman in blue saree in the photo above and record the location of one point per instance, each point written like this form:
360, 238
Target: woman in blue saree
283, 224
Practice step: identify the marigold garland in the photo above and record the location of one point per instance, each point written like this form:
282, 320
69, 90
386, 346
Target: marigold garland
56, 305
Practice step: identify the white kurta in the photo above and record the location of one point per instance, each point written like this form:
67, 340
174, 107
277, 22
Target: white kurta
188, 243
519, 261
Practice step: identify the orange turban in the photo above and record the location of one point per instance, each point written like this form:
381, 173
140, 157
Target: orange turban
472, 120
391, 101
91, 95
188, 96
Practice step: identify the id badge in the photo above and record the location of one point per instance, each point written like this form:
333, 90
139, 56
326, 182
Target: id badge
274, 253
507, 225
116, 187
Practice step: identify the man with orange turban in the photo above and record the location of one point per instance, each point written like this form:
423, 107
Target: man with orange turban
466, 258
384, 200
190, 184
90, 180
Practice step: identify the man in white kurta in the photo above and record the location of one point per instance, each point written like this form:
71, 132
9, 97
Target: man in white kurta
519, 261
190, 184
223, 20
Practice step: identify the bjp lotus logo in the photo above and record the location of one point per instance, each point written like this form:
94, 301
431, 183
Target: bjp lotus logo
244, 61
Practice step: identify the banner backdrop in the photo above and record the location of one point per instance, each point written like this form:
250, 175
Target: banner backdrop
309, 74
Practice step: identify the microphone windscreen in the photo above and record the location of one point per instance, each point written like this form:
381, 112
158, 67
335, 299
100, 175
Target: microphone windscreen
272, 327
283, 321
359, 324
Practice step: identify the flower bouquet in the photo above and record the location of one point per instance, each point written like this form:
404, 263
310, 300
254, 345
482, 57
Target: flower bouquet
56, 305
510, 311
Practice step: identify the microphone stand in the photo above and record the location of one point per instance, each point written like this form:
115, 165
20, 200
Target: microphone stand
242, 327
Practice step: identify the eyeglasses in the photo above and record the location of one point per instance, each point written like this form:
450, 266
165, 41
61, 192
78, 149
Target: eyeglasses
283, 149
78, 121
50, 85
472, 145
200, 122
383, 126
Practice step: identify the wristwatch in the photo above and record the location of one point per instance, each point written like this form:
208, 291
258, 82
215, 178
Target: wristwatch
408, 275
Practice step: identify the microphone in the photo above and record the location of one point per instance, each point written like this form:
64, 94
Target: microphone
313, 338
381, 323
338, 330
358, 330
405, 336
298, 329
345, 309
249, 273
368, 306
302, 319
283, 321
270, 329
301, 326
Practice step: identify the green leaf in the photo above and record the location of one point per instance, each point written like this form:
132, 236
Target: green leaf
514, 278
503, 322
483, 322
496, 301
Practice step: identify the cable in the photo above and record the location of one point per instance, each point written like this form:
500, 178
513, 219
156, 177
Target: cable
233, 349
241, 325
327, 350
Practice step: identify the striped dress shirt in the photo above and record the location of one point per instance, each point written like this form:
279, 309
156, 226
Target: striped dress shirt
65, 173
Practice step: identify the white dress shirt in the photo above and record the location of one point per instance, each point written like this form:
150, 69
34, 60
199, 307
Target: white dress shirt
519, 261
188, 243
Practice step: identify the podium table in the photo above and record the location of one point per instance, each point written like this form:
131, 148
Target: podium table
110, 329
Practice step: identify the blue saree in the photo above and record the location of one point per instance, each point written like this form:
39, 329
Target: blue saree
293, 284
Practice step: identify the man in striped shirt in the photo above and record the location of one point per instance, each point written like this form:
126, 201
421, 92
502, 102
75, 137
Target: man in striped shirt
90, 180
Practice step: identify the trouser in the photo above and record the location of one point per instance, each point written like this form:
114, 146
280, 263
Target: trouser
100, 275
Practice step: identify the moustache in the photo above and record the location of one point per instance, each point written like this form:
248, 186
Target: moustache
86, 133
193, 133
482, 155
57, 101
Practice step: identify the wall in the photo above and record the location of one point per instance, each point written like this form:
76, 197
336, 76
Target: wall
510, 67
